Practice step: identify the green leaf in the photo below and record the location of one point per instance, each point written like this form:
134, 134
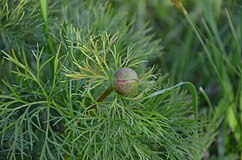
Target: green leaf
191, 88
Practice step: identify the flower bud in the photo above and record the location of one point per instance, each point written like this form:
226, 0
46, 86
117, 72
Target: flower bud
127, 81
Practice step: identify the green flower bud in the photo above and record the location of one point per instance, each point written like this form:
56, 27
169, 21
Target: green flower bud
127, 81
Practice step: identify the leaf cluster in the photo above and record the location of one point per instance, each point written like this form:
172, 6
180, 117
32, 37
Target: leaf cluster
44, 103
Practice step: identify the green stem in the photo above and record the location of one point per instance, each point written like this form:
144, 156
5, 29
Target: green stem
105, 94
43, 6
102, 96
202, 42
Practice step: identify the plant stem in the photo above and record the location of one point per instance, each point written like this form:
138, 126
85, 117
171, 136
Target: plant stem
105, 94
43, 6
102, 97
201, 41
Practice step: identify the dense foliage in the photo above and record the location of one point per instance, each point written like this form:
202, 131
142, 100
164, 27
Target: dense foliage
58, 57
57, 60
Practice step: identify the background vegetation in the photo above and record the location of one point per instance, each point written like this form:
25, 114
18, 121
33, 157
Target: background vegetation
47, 45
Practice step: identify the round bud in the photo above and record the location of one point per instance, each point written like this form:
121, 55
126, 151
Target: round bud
127, 81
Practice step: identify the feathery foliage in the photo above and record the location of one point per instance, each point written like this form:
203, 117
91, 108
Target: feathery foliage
44, 101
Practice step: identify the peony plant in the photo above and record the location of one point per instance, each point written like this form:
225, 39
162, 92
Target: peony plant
85, 91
